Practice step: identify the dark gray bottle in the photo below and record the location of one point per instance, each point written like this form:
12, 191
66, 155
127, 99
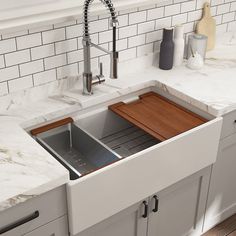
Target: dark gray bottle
167, 50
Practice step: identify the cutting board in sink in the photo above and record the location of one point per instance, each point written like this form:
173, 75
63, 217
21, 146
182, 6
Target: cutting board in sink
207, 26
158, 116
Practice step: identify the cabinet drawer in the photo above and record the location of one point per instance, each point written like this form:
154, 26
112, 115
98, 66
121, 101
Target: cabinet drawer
113, 188
229, 124
27, 216
57, 227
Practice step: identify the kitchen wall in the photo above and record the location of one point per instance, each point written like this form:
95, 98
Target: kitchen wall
42, 55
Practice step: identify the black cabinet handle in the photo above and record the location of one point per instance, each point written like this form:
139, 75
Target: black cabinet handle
145, 214
20, 222
156, 203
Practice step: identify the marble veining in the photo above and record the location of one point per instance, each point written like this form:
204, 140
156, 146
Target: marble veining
27, 170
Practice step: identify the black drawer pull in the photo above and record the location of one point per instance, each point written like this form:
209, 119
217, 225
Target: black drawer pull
20, 222
145, 214
156, 203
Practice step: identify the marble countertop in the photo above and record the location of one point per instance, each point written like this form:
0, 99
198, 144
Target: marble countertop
33, 171
26, 169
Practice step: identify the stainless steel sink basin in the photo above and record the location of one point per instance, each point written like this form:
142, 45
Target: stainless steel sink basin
76, 150
117, 134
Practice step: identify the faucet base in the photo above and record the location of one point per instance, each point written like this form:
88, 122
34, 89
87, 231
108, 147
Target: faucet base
87, 83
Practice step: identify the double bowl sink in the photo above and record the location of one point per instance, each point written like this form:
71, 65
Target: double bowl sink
91, 143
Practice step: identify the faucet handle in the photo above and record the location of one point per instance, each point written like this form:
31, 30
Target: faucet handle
101, 70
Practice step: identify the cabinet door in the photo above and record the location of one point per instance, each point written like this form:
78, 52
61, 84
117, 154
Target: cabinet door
222, 193
180, 208
129, 222
57, 227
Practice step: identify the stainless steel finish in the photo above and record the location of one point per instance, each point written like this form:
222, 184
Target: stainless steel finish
129, 141
116, 133
88, 78
78, 151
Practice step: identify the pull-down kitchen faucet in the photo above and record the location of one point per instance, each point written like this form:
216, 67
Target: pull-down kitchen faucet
88, 79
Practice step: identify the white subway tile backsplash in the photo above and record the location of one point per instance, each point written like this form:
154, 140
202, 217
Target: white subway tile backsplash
220, 29
179, 19
75, 56
146, 27
136, 40
105, 36
218, 19
172, 10
179, 1
74, 31
2, 63
154, 36
194, 15
144, 49
28, 41
31, 67
66, 46
188, 6
44, 77
120, 44
8, 45
163, 23
40, 55
200, 3
9, 73
96, 52
3, 89
40, 29
155, 13
123, 20
20, 84
128, 31
14, 34
232, 26
18, 57
53, 35
68, 70
127, 54
55, 61
223, 8
137, 17
213, 11
189, 27
233, 6
216, 2
98, 26
42, 51
228, 17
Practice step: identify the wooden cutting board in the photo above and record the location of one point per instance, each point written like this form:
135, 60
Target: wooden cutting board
207, 26
158, 116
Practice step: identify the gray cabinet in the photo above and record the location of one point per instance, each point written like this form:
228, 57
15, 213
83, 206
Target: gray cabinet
129, 222
222, 192
176, 211
34, 213
57, 227
179, 209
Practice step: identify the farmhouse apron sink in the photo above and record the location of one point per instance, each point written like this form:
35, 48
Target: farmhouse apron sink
136, 163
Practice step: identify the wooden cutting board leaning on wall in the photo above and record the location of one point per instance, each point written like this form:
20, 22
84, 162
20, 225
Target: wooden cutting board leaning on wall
207, 26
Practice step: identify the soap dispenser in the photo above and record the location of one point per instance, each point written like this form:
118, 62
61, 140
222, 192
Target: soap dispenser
167, 50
